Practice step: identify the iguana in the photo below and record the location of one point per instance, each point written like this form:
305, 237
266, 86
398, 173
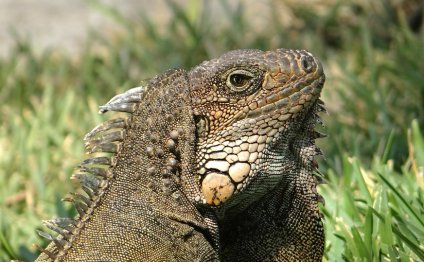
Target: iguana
213, 164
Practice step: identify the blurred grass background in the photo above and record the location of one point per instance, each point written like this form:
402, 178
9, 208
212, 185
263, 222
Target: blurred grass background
373, 54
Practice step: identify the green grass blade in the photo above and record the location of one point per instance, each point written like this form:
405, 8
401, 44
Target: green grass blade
409, 207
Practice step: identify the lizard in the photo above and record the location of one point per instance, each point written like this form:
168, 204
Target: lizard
212, 164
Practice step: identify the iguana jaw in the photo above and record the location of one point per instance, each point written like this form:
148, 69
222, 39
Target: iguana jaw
290, 152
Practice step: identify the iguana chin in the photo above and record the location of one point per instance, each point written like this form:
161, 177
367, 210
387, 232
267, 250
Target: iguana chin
215, 163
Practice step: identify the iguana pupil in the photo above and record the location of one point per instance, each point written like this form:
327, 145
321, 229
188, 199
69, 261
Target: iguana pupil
239, 80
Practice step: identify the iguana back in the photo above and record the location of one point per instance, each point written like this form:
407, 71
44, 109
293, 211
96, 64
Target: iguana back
130, 216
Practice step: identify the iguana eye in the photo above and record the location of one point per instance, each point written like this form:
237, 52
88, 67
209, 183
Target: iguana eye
239, 80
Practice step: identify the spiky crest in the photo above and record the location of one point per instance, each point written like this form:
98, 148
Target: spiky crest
93, 173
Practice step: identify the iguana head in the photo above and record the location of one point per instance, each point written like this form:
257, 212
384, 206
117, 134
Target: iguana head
255, 113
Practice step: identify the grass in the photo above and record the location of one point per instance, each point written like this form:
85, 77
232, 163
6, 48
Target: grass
375, 94
376, 213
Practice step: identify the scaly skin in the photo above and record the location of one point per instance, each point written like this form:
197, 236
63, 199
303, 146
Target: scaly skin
214, 164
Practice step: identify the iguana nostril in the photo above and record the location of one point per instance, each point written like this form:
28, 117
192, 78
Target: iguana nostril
307, 63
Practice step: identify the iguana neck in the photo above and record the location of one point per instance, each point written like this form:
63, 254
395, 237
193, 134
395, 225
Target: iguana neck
288, 213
